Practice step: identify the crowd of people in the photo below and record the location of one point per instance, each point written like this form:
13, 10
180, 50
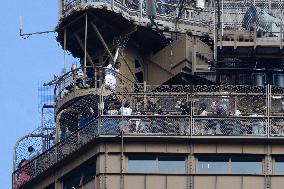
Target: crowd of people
226, 121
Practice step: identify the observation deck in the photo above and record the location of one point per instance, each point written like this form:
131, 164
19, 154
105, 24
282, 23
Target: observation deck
186, 113
88, 112
192, 19
116, 19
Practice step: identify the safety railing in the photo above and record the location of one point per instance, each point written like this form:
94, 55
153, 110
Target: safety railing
92, 78
256, 34
29, 169
149, 125
145, 125
166, 10
231, 126
173, 111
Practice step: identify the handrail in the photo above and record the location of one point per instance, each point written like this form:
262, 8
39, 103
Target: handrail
58, 89
163, 10
152, 125
269, 125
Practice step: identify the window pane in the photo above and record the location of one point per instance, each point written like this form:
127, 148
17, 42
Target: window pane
142, 164
213, 164
72, 181
248, 165
171, 164
51, 186
279, 166
89, 171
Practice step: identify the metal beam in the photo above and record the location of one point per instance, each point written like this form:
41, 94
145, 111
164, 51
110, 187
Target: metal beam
83, 47
180, 9
102, 39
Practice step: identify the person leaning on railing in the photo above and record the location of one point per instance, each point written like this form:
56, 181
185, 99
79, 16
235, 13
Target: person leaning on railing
78, 77
200, 128
111, 72
24, 173
32, 153
185, 110
110, 124
125, 110
237, 128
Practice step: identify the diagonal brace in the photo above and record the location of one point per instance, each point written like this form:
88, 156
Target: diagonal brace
83, 47
102, 40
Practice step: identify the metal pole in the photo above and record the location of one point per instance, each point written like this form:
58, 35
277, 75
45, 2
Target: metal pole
140, 10
112, 4
218, 26
86, 36
102, 40
214, 35
281, 35
60, 9
65, 59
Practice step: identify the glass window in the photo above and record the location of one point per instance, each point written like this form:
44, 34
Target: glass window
213, 164
246, 165
142, 164
279, 166
171, 164
89, 171
156, 164
72, 181
80, 175
51, 186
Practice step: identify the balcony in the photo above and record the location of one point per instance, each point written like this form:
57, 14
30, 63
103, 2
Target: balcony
180, 112
196, 20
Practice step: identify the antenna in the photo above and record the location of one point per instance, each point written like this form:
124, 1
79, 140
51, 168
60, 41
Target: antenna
27, 35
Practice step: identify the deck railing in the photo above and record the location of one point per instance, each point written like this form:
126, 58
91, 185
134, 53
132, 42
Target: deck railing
151, 126
167, 111
167, 11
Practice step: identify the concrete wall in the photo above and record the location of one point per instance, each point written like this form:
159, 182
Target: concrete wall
111, 163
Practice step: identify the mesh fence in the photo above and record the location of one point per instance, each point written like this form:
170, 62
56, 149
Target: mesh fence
28, 169
150, 125
277, 126
191, 111
230, 126
166, 10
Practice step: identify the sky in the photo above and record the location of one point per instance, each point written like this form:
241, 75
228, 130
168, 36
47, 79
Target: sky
24, 63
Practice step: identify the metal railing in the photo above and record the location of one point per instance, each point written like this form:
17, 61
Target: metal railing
94, 79
149, 125
165, 10
232, 14
172, 111
234, 31
29, 169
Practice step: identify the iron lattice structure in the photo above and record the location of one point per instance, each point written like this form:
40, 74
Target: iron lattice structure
157, 110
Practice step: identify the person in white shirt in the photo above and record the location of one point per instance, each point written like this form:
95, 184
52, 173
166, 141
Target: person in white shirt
125, 110
111, 74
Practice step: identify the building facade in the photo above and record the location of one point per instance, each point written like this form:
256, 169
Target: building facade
167, 95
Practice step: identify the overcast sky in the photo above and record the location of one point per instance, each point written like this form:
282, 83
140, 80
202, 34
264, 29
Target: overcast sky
24, 63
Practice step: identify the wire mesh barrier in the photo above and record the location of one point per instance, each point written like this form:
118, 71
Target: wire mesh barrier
249, 126
30, 168
241, 21
166, 10
189, 111
93, 78
150, 126
277, 126
145, 125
